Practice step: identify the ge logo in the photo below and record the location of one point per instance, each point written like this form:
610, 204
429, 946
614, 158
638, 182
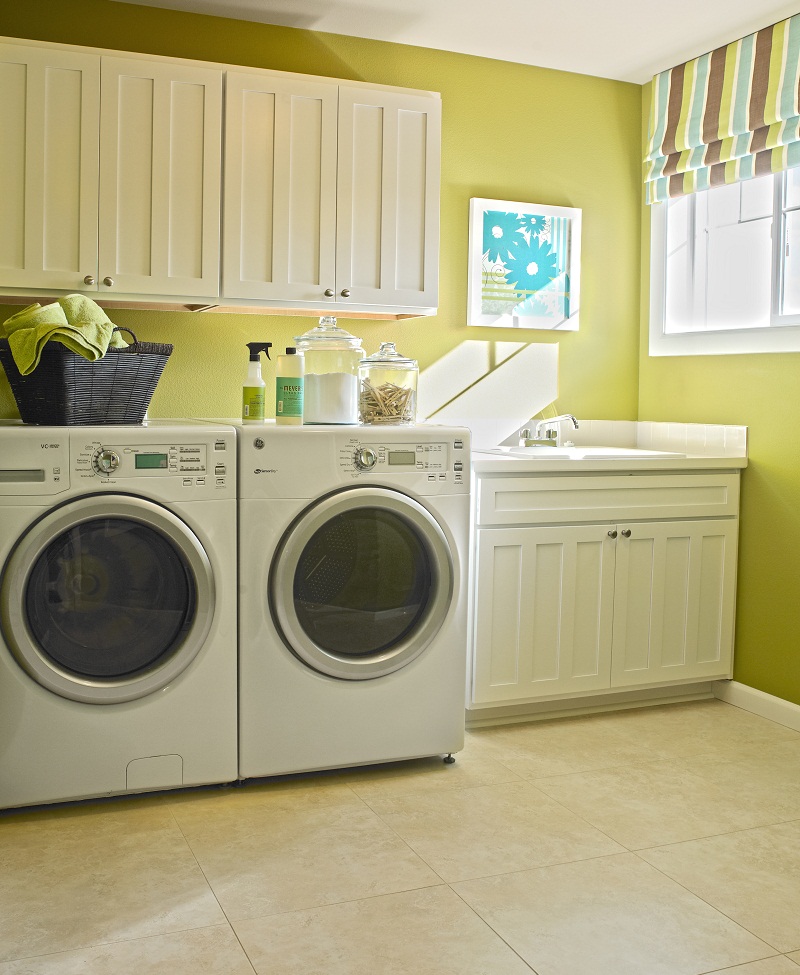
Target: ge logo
258, 443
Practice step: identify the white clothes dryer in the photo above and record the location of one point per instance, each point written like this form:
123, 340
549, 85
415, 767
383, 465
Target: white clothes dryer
353, 556
117, 609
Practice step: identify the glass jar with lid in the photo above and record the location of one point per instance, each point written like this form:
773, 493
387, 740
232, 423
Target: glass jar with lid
332, 356
387, 387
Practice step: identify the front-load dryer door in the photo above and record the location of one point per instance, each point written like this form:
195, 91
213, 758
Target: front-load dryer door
107, 599
361, 583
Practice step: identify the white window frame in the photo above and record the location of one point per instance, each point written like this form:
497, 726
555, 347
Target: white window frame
782, 335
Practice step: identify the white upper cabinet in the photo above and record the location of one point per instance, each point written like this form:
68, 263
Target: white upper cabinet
280, 188
387, 239
331, 194
112, 183
49, 117
110, 174
160, 168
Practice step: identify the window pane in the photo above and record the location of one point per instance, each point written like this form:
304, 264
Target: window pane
723, 205
793, 188
739, 275
758, 197
791, 270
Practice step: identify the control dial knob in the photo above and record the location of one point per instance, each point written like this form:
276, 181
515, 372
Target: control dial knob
365, 458
106, 461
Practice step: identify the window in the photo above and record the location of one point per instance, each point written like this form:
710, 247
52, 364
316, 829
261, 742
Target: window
725, 269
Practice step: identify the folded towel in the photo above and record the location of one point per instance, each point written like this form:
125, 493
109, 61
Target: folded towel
76, 321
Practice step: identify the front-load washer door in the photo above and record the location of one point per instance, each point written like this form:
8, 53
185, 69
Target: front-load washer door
107, 599
361, 583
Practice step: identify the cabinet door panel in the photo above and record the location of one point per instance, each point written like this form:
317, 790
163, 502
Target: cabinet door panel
280, 188
387, 249
49, 117
160, 170
674, 602
543, 612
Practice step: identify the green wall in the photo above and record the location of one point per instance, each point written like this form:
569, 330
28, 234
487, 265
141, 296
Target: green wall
510, 132
761, 392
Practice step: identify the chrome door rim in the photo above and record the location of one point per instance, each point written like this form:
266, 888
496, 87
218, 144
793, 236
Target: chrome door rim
290, 549
32, 544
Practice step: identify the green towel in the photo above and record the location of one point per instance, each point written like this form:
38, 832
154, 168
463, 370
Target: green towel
76, 321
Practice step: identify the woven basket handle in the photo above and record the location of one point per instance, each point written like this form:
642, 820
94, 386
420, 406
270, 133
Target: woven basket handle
135, 344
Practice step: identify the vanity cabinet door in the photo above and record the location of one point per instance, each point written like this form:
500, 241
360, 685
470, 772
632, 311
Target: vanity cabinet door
280, 188
49, 119
387, 237
160, 171
543, 613
674, 602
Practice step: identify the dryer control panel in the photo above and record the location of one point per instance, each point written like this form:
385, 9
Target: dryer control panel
438, 460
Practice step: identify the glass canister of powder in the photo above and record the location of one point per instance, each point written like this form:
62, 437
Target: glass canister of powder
332, 356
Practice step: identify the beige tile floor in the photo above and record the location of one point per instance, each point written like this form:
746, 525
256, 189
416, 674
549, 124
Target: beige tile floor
660, 841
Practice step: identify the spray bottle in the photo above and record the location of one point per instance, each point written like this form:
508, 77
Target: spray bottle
253, 389
289, 388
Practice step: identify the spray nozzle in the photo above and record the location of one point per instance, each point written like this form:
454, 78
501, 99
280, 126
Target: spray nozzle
256, 347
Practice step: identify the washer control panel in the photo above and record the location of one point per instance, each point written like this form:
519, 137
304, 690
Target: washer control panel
147, 460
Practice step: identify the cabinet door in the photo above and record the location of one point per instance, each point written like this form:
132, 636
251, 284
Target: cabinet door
49, 119
387, 241
543, 612
280, 188
674, 602
160, 170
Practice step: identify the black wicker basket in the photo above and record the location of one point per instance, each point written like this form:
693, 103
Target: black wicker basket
67, 390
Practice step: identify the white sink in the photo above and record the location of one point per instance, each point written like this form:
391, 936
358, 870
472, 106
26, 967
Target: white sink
579, 453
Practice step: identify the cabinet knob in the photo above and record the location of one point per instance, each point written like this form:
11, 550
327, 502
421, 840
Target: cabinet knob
88, 279
345, 292
626, 533
612, 533
108, 282
329, 292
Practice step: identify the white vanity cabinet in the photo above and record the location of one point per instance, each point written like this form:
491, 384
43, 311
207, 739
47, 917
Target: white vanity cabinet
585, 583
110, 173
331, 194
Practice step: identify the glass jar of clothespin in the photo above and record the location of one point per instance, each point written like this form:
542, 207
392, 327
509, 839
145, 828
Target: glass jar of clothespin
387, 387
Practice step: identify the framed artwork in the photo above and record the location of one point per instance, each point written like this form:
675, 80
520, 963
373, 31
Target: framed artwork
524, 265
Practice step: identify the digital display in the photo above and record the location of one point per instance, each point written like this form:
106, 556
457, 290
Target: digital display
150, 462
402, 458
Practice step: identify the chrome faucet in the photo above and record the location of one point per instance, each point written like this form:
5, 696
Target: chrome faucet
547, 432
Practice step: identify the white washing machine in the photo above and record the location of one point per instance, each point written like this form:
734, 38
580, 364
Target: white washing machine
117, 609
352, 595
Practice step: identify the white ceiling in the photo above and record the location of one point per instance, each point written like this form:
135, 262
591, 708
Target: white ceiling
627, 40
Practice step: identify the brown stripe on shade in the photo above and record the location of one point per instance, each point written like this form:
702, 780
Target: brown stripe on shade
675, 185
673, 109
760, 79
716, 175
713, 153
763, 163
716, 75
671, 165
758, 139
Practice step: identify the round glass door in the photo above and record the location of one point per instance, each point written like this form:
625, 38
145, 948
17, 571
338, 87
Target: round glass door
362, 583
107, 599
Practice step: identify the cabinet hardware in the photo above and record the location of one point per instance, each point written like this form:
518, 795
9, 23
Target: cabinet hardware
626, 533
88, 279
612, 534
108, 282
328, 292
346, 293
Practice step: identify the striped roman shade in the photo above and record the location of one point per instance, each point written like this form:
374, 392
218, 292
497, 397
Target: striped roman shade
726, 116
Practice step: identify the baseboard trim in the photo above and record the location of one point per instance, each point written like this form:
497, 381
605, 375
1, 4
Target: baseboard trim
575, 707
750, 699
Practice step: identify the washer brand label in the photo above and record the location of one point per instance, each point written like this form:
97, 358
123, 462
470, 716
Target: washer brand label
50, 446
271, 470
